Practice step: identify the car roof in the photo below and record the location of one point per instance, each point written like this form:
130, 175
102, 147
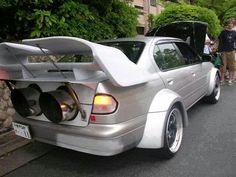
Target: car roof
145, 39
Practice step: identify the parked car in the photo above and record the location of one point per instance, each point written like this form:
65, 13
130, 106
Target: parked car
105, 98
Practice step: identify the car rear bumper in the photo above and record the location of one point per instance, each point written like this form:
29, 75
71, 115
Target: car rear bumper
98, 139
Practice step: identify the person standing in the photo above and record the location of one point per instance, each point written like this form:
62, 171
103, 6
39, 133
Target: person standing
227, 48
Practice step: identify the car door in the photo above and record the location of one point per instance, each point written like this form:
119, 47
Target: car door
174, 70
197, 73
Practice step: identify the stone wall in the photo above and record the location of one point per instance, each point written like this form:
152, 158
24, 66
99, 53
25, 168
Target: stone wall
6, 108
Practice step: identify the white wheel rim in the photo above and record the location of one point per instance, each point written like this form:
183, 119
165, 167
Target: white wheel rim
217, 88
174, 130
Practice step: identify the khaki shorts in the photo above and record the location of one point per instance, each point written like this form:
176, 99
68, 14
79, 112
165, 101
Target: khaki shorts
228, 59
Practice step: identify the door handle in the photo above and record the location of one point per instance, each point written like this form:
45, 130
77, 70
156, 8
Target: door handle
170, 81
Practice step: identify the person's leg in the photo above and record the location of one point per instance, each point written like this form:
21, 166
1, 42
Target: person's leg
223, 67
230, 62
231, 59
234, 75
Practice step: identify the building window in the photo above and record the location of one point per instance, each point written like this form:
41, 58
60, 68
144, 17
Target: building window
153, 3
138, 7
140, 30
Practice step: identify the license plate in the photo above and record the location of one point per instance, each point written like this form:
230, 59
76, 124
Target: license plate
21, 130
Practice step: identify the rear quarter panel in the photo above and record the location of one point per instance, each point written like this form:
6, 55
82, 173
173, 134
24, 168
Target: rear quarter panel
133, 101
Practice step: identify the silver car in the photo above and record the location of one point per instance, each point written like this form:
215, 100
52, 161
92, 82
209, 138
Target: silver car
105, 98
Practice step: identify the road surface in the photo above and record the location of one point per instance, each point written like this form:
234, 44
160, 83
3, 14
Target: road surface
208, 149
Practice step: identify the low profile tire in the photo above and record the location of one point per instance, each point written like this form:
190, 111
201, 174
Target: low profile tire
173, 133
213, 98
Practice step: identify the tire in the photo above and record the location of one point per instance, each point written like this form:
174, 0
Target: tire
173, 133
213, 98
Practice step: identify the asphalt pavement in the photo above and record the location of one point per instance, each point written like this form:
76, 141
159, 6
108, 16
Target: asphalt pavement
208, 149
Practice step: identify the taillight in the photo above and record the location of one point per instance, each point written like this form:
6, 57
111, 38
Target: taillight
104, 104
26, 100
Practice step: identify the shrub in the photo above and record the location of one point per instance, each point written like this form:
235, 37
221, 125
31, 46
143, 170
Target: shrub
185, 12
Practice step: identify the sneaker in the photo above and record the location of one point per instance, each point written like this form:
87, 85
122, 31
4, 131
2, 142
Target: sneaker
230, 82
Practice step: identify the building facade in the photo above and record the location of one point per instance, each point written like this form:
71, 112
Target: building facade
146, 7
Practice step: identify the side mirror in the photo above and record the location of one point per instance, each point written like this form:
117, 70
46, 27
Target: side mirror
206, 58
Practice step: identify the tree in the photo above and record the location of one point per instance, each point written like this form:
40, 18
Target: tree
100, 7
92, 20
122, 18
223, 8
185, 12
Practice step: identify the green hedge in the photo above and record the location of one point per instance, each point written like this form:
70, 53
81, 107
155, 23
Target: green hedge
185, 12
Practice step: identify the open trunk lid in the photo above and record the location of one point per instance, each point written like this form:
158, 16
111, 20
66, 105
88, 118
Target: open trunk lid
193, 32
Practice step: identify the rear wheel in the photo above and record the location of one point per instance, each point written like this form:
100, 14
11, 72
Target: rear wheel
173, 133
213, 98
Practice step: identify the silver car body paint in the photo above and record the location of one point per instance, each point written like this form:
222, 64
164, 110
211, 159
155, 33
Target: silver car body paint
143, 92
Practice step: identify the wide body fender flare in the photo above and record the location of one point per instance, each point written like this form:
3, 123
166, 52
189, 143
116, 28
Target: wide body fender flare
211, 80
164, 100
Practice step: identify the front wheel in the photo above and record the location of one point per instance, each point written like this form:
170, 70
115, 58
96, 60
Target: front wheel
173, 133
213, 98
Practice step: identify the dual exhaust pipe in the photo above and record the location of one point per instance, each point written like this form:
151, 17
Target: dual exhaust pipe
57, 106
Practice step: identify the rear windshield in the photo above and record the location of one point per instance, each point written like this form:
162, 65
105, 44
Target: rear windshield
132, 49
60, 58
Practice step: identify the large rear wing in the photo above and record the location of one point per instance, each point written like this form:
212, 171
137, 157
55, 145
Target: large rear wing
109, 62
